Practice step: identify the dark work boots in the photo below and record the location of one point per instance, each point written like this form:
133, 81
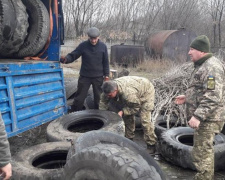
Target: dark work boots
151, 149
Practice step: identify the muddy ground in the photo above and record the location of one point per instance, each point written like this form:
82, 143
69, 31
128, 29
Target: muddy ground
38, 135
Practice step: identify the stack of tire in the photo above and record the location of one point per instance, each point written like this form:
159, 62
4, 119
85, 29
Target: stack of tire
176, 143
24, 28
45, 161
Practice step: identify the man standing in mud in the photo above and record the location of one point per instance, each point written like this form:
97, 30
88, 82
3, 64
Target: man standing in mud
132, 96
94, 68
5, 155
204, 100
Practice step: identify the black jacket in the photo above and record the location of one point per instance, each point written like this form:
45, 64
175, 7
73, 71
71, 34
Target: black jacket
95, 62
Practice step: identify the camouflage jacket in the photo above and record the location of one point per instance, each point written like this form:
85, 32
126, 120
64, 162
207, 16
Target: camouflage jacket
205, 94
5, 155
133, 91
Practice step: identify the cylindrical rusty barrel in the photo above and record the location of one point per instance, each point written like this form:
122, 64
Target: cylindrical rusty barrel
171, 44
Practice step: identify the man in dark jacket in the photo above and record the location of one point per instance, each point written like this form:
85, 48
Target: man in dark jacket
5, 155
204, 98
94, 68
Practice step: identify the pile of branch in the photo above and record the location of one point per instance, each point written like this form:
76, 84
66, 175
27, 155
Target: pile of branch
172, 84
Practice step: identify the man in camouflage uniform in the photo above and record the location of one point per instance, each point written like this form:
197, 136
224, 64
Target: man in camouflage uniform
133, 96
5, 155
205, 105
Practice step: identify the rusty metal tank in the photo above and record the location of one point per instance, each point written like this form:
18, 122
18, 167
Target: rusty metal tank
127, 55
171, 44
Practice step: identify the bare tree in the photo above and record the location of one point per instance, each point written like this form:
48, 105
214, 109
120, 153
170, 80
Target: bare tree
118, 18
215, 8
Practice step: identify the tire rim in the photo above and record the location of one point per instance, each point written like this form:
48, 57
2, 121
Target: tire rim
51, 160
86, 124
186, 139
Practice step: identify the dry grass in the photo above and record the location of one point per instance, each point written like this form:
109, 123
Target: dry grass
150, 69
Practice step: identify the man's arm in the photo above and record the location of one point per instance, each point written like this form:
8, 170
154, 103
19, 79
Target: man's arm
74, 55
132, 104
180, 99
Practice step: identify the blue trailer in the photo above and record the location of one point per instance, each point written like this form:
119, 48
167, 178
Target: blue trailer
32, 91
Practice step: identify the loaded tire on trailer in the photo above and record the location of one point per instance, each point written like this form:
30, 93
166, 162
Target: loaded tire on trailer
108, 161
13, 44
7, 21
39, 28
93, 138
71, 126
176, 146
40, 162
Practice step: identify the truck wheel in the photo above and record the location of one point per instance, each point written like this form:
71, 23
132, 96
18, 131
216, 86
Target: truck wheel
176, 146
102, 137
7, 21
38, 31
13, 44
108, 161
40, 162
71, 126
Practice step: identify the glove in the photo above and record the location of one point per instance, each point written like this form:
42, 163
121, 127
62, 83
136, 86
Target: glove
63, 59
106, 78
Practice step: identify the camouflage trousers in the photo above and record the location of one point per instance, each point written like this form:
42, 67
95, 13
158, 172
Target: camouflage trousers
147, 125
203, 152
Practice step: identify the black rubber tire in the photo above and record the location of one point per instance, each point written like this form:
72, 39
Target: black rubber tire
70, 87
108, 161
102, 137
161, 125
40, 162
38, 31
89, 100
174, 150
71, 126
13, 44
7, 21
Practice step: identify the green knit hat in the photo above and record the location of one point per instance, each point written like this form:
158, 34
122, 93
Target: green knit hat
201, 43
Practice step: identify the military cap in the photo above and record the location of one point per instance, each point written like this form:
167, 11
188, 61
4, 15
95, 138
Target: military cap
201, 43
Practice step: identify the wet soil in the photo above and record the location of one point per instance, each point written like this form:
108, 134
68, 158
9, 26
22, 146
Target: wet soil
38, 136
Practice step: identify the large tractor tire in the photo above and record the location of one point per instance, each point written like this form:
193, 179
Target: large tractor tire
93, 138
111, 162
7, 21
40, 162
176, 145
71, 126
13, 44
38, 31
